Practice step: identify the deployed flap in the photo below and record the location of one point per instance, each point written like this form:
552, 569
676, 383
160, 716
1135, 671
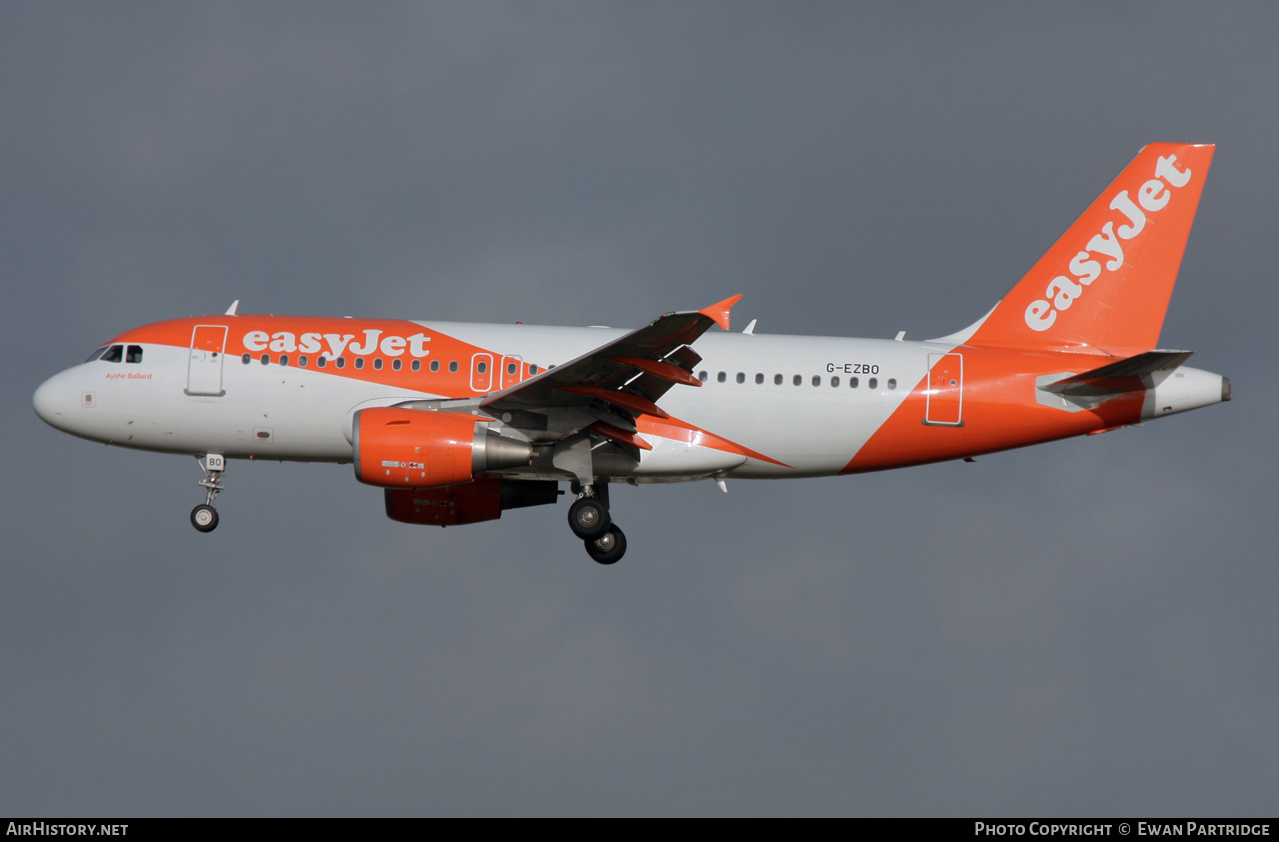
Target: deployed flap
1122, 376
624, 366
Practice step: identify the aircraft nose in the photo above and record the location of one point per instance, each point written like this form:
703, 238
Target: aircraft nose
51, 401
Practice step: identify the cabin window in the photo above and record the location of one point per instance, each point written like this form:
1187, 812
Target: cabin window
435, 365
511, 368
759, 378
799, 380
453, 367
481, 367
340, 362
834, 381
817, 380
892, 383
321, 362
701, 375
777, 380
532, 369
245, 359
852, 382
417, 364
741, 377
284, 359
873, 383
302, 360
722, 376
396, 364
359, 362
377, 364
266, 358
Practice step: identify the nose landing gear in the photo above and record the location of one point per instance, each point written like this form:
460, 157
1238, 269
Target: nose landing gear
590, 520
204, 517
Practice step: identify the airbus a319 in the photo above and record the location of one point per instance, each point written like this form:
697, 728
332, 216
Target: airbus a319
458, 422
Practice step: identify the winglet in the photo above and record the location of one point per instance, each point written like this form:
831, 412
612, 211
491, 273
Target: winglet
230, 311
718, 313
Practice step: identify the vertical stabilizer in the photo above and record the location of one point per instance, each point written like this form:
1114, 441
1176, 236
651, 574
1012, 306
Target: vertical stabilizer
1104, 286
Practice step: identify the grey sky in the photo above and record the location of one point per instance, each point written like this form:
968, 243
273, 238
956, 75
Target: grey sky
1085, 627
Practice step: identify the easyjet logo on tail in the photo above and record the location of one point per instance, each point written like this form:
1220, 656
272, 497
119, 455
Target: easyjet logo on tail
1107, 246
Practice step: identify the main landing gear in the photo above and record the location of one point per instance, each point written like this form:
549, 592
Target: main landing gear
204, 517
589, 519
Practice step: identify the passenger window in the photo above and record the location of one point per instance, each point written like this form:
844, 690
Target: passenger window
777, 380
453, 367
377, 364
96, 354
722, 376
852, 382
482, 367
340, 362
834, 381
302, 360
359, 362
511, 368
266, 358
817, 380
873, 383
113, 354
798, 380
741, 377
245, 359
321, 362
759, 378
284, 359
435, 365
701, 375
892, 383
134, 354
396, 364
417, 364
532, 369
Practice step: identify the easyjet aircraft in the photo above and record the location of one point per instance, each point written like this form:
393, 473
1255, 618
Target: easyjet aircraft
459, 422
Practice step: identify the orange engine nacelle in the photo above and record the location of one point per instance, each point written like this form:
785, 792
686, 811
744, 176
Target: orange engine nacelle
415, 448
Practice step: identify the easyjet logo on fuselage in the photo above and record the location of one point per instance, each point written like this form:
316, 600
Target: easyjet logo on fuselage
310, 343
1086, 266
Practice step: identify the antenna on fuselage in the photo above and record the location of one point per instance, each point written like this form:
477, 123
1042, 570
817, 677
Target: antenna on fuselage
230, 311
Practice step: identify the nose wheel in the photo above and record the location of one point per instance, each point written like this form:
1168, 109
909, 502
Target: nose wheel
204, 517
590, 520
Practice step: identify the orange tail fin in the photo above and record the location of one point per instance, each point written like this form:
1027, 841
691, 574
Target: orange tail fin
1104, 286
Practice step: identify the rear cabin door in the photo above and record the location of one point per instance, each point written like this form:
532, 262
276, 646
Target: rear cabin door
945, 390
204, 369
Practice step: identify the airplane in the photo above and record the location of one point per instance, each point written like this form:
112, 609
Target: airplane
458, 422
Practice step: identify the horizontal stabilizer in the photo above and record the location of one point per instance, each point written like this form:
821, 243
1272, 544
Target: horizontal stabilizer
1123, 376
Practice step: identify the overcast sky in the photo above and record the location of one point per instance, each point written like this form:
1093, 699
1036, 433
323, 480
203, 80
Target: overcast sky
1086, 627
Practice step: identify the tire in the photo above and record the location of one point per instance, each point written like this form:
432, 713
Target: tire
609, 548
588, 518
204, 518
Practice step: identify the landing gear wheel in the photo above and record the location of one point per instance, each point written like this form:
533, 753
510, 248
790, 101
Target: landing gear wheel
608, 548
588, 518
204, 518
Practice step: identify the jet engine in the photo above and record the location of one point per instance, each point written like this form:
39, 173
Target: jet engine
415, 448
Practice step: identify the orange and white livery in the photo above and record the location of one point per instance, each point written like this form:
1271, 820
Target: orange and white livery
458, 422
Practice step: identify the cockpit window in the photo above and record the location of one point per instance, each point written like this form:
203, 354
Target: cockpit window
97, 353
133, 354
113, 354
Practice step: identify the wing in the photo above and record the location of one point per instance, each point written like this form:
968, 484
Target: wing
629, 374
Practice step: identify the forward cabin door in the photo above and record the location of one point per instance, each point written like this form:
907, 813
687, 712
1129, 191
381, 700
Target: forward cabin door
945, 390
204, 369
